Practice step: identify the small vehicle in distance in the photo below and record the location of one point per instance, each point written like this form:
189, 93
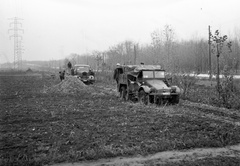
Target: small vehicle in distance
84, 73
146, 84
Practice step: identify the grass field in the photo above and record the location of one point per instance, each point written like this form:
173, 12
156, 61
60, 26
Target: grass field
40, 128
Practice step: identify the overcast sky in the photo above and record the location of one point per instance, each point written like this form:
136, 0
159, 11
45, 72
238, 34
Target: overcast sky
54, 29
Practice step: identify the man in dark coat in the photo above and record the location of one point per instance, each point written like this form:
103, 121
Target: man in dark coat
69, 65
62, 75
116, 73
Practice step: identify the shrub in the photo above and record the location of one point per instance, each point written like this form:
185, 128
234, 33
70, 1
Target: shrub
228, 90
185, 82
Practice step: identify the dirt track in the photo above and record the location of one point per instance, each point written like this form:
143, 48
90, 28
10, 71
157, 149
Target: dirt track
164, 157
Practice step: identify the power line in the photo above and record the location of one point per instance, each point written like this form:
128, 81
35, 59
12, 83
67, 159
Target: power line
17, 42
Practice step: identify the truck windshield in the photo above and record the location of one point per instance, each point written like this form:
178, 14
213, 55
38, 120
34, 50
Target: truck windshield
147, 74
153, 74
159, 74
82, 69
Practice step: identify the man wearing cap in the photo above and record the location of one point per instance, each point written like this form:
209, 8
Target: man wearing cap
116, 73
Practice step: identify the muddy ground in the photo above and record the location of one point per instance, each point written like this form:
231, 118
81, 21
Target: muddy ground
45, 122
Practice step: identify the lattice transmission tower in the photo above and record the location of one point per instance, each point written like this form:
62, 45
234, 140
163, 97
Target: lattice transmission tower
17, 42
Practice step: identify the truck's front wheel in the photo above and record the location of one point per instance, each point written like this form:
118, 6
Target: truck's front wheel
174, 99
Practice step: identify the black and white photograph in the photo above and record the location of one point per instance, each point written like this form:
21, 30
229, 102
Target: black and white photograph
119, 83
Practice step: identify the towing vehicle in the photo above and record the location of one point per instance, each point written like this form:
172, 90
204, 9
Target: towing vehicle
146, 84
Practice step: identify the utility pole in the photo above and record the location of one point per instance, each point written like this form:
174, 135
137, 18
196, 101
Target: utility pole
135, 55
17, 42
209, 53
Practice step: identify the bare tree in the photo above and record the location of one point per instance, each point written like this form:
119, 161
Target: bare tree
217, 42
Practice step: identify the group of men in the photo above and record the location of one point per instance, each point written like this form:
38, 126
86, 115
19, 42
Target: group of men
62, 73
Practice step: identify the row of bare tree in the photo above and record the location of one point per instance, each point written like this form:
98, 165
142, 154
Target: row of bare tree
164, 49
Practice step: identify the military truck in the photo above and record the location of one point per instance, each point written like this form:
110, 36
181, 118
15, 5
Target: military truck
146, 84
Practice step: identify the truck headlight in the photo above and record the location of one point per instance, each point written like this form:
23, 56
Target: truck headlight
175, 89
91, 77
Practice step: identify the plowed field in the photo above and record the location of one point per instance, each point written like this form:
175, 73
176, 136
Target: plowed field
45, 121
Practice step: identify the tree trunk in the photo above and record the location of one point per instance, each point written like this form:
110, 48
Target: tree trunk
218, 77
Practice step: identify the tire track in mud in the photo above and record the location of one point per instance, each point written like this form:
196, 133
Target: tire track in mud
203, 110
215, 113
164, 157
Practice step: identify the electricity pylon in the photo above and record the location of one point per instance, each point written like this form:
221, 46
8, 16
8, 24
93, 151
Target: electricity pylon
17, 42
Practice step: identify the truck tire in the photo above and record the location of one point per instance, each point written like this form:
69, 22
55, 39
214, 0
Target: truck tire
175, 99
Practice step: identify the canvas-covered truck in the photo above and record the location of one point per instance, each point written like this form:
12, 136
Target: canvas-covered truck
146, 84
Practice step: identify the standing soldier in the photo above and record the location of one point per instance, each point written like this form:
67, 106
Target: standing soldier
69, 67
62, 75
116, 73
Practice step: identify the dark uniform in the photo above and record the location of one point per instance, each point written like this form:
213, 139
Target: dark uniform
69, 65
116, 75
62, 75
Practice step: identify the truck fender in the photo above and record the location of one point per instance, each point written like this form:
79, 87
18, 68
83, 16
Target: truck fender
145, 88
178, 90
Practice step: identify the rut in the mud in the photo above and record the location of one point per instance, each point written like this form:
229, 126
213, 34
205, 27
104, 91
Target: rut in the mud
165, 157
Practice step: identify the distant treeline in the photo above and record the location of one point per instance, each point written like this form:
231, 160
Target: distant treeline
173, 55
